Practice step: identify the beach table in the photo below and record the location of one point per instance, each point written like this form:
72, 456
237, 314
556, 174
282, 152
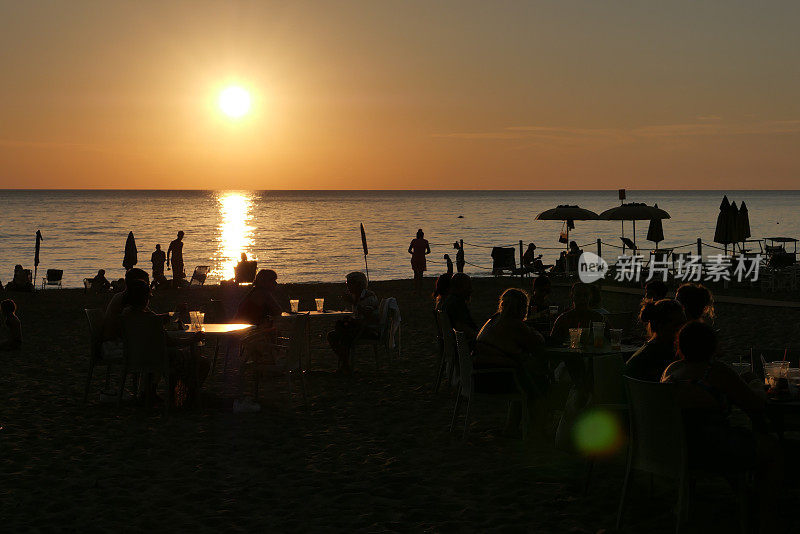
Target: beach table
319, 318
587, 352
217, 331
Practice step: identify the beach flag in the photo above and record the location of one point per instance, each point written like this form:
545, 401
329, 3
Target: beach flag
366, 251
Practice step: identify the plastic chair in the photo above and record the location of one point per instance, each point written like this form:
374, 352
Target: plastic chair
448, 361
658, 444
467, 391
96, 356
145, 348
286, 353
52, 278
388, 321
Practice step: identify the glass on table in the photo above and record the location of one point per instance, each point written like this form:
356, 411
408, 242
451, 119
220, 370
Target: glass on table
774, 371
741, 367
294, 305
598, 333
320, 304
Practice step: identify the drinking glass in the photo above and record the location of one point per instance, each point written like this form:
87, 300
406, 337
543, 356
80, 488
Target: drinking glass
774, 371
320, 304
598, 329
615, 334
741, 367
295, 305
201, 318
575, 338
193, 318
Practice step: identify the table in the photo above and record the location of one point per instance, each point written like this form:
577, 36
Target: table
589, 350
312, 315
217, 330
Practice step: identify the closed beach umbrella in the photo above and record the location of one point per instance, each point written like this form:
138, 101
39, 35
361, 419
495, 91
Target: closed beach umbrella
655, 231
39, 239
743, 223
131, 254
634, 211
366, 251
721, 232
733, 227
568, 214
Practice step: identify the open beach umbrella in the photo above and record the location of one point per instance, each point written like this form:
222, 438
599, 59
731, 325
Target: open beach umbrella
634, 211
568, 214
131, 254
655, 231
39, 240
743, 224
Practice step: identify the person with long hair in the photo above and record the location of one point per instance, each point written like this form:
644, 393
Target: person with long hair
418, 249
662, 319
580, 315
708, 389
456, 306
261, 301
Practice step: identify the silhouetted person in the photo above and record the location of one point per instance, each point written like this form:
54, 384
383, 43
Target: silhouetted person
449, 264
112, 328
176, 251
12, 324
663, 319
540, 300
506, 341
459, 256
365, 322
697, 302
708, 388
580, 315
530, 261
596, 299
261, 301
655, 290
418, 248
158, 259
457, 306
100, 283
21, 281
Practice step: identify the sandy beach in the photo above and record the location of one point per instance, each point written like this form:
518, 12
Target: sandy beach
371, 454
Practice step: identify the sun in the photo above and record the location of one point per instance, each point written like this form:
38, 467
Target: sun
234, 101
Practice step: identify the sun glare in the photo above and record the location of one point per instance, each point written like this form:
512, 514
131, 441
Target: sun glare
236, 233
234, 101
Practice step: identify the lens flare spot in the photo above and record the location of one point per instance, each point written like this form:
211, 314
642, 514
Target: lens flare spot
598, 432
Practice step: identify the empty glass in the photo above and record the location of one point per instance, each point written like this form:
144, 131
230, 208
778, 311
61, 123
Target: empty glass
598, 331
294, 304
320, 304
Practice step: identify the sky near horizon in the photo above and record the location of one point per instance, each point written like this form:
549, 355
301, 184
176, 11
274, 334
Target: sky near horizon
401, 95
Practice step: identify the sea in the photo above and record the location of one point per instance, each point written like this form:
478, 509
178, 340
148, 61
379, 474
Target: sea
314, 235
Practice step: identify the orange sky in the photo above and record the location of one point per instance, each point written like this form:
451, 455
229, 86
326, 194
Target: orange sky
401, 95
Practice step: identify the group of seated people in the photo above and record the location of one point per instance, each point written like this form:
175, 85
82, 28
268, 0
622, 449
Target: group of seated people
681, 347
22, 280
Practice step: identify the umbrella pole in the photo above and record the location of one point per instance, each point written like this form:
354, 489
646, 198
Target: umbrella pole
622, 230
634, 234
35, 277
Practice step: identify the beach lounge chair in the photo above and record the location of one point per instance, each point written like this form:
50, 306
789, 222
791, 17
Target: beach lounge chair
388, 334
467, 389
284, 355
658, 445
245, 272
52, 278
199, 275
96, 355
503, 259
145, 352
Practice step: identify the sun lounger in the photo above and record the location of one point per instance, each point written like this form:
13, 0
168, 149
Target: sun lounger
52, 278
199, 275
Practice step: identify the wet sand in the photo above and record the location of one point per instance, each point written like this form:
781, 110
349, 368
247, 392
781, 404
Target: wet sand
371, 454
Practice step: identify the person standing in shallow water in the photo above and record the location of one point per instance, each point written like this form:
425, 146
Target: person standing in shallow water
418, 248
176, 251
459, 257
158, 258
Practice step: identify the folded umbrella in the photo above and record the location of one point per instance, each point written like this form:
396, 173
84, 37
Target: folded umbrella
131, 254
655, 231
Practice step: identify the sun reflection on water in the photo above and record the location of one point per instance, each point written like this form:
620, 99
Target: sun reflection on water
235, 233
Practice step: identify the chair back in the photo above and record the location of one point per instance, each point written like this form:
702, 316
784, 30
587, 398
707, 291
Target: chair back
54, 275
144, 343
392, 323
383, 317
245, 272
448, 337
609, 387
199, 275
658, 442
465, 363
95, 317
